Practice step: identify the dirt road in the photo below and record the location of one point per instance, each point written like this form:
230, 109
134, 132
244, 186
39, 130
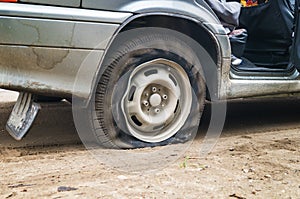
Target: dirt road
257, 156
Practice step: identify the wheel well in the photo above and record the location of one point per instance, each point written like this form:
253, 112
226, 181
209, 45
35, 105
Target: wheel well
185, 26
189, 28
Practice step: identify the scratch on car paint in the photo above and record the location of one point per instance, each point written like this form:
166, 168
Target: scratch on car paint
72, 36
35, 84
38, 86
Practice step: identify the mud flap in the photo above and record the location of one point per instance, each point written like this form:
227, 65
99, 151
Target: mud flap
22, 116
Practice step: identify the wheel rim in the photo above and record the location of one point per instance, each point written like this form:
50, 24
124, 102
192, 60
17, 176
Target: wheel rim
157, 101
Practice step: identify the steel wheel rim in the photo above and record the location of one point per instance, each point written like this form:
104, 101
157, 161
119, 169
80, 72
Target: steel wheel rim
157, 101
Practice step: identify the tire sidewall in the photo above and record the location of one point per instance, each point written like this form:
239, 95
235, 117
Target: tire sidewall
129, 50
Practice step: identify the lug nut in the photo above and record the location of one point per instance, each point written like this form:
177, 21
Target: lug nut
157, 110
146, 103
165, 97
154, 89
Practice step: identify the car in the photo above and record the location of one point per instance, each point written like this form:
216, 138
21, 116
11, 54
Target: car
139, 72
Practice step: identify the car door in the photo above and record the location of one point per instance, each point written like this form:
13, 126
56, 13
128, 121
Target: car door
43, 44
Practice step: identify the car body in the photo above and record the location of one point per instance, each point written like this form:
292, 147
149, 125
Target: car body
45, 44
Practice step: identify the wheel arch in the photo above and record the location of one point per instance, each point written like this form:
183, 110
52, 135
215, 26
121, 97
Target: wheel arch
190, 27
217, 49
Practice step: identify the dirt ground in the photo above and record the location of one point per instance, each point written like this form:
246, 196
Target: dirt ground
247, 162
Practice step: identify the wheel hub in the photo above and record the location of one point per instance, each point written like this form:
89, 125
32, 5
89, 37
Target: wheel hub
155, 100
